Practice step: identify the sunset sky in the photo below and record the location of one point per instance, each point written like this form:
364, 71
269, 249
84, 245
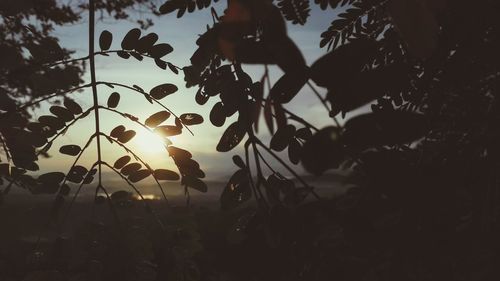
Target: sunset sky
181, 34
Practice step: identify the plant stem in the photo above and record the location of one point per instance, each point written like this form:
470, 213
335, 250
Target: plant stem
94, 85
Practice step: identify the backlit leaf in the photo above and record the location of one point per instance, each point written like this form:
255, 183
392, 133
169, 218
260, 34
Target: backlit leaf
157, 118
195, 183
139, 175
126, 136
167, 175
117, 131
113, 100
217, 115
72, 106
131, 168
121, 162
70, 149
282, 137
163, 90
131, 39
168, 130
233, 135
63, 113
160, 50
105, 40
191, 119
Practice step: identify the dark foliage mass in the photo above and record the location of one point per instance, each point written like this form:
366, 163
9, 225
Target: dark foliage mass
424, 160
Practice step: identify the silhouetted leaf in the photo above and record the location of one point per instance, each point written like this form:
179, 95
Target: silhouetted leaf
236, 191
117, 131
323, 151
303, 133
113, 100
173, 68
217, 115
195, 183
137, 56
294, 151
131, 168
126, 136
70, 149
191, 119
200, 98
168, 130
53, 178
161, 63
131, 39
166, 175
72, 106
123, 54
282, 138
51, 121
238, 161
157, 118
279, 112
105, 40
121, 162
139, 175
179, 153
163, 90
170, 6
233, 135
145, 44
288, 86
160, 50
62, 113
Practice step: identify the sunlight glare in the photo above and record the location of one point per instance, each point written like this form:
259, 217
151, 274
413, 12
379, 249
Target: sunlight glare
149, 142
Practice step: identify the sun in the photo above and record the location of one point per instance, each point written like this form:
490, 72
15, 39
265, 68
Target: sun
149, 142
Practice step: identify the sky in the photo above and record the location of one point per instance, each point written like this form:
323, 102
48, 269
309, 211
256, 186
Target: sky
181, 34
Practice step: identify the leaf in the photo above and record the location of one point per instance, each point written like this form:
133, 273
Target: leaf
113, 100
191, 119
51, 121
131, 39
131, 168
72, 106
160, 50
70, 149
121, 162
217, 115
62, 113
288, 86
179, 153
294, 151
139, 175
195, 183
145, 44
168, 130
123, 54
173, 68
323, 151
237, 191
117, 131
200, 98
233, 135
126, 136
238, 161
303, 133
53, 178
163, 90
170, 6
282, 138
161, 63
166, 175
105, 40
157, 118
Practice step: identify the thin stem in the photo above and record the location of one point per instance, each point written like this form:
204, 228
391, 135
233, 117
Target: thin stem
5, 148
94, 85
247, 162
